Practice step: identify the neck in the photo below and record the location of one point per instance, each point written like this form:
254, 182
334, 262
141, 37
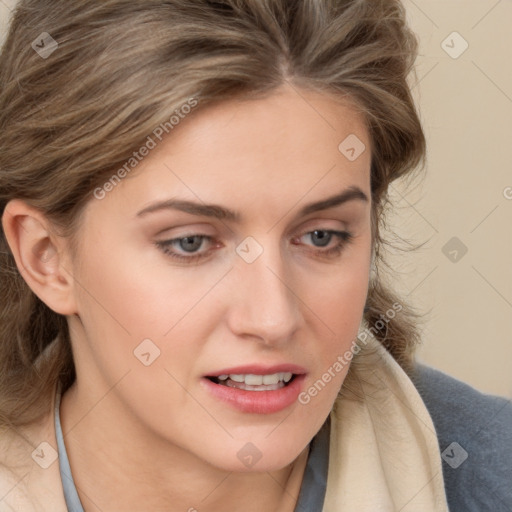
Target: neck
107, 453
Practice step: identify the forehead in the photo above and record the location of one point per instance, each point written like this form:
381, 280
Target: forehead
290, 119
290, 127
267, 153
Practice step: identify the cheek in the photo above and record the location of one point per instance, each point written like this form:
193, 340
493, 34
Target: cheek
127, 298
341, 298
137, 290
336, 310
132, 315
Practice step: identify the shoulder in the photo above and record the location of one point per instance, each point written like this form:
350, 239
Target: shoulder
474, 430
15, 470
29, 468
12, 468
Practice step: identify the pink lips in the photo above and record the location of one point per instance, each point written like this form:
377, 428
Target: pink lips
258, 402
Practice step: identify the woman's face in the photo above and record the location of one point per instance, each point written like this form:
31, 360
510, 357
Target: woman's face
225, 253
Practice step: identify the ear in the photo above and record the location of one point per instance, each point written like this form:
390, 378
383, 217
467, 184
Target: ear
41, 256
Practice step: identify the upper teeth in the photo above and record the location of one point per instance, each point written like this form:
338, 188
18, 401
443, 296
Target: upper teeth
258, 380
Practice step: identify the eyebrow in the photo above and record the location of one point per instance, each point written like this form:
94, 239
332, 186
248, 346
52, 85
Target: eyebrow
222, 213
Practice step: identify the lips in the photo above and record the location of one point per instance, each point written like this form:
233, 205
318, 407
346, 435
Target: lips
257, 389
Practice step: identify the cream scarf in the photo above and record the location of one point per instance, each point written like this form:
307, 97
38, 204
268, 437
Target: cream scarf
384, 454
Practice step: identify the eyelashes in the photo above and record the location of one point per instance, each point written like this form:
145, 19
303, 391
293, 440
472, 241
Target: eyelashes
180, 249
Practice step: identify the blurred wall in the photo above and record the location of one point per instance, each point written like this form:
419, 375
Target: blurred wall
462, 277
463, 206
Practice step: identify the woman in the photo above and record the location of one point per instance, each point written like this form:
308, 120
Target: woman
192, 312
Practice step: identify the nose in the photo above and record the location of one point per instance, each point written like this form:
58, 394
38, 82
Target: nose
264, 304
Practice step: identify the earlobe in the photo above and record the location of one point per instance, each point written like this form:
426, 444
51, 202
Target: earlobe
40, 256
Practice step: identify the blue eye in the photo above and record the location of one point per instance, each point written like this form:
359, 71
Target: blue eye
323, 237
186, 249
188, 244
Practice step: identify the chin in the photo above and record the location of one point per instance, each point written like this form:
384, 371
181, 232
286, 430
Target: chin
258, 456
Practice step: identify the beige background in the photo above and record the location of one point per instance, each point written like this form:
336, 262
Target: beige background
466, 107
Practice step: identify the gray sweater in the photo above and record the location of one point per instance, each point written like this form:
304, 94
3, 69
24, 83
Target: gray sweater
481, 425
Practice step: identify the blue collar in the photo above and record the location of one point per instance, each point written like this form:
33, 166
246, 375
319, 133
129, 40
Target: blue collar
70, 494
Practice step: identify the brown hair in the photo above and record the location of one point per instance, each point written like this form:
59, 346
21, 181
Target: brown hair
122, 68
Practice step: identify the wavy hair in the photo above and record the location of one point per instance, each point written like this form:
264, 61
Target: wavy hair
123, 67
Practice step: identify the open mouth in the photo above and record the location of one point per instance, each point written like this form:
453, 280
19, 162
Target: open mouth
257, 389
251, 382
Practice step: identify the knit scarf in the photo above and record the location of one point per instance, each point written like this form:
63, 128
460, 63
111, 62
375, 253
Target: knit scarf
384, 454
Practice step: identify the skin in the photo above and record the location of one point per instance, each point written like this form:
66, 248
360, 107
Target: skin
154, 432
